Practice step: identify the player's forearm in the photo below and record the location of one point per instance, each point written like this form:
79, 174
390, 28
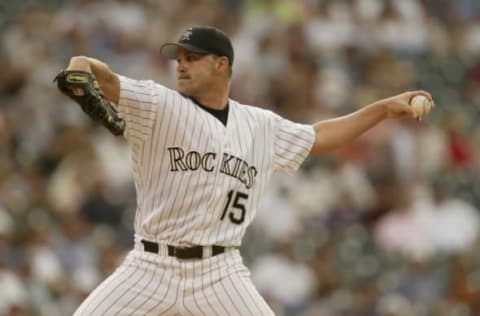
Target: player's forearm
107, 79
334, 133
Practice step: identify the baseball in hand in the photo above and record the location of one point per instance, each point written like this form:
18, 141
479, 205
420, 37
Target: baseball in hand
421, 106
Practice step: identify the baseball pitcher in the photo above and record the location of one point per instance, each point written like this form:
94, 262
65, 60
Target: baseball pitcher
201, 162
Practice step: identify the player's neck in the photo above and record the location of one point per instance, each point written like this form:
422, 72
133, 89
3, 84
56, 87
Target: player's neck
215, 98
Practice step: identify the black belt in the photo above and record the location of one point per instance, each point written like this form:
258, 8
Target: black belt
194, 252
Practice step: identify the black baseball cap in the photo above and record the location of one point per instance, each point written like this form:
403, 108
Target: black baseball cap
201, 39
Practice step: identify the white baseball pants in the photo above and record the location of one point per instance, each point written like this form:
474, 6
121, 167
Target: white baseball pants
151, 284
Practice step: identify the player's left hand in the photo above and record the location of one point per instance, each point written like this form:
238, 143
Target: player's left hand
399, 106
83, 88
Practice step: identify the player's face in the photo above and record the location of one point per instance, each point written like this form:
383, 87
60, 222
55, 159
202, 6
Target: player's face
195, 72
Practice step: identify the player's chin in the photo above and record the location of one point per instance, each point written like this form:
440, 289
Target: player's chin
184, 86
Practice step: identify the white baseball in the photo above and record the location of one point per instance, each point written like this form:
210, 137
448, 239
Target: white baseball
421, 106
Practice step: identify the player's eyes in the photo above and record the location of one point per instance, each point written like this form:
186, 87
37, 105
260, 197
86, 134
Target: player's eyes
191, 57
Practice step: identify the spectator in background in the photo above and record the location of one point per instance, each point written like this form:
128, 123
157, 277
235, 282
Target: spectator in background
451, 223
284, 281
401, 229
420, 230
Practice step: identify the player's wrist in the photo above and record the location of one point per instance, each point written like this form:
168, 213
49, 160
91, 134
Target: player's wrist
382, 108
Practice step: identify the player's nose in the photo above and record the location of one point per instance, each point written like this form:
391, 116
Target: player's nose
181, 66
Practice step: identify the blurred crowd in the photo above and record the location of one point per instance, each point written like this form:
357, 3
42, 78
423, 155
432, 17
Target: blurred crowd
388, 226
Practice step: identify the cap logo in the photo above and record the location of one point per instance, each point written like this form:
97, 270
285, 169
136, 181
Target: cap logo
186, 35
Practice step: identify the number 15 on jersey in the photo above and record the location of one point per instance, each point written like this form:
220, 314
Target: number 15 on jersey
236, 205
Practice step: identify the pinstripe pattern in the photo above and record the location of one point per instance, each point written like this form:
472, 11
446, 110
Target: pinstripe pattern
158, 285
140, 286
198, 182
228, 291
183, 208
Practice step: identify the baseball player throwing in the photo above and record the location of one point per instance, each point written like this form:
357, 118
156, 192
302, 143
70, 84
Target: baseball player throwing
201, 162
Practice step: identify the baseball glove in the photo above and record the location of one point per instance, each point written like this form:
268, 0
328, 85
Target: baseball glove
83, 88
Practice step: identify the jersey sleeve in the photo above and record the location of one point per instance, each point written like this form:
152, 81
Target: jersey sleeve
138, 105
292, 144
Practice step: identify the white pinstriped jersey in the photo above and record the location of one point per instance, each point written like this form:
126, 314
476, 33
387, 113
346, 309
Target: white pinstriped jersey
198, 181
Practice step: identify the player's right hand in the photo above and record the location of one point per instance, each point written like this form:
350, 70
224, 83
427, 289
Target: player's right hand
398, 106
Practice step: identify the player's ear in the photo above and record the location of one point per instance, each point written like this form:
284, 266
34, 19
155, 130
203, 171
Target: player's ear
222, 64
